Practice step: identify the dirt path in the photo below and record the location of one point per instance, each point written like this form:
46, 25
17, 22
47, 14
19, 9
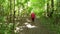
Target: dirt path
39, 30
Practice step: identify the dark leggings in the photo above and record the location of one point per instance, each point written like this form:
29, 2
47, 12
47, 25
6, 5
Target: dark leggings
33, 19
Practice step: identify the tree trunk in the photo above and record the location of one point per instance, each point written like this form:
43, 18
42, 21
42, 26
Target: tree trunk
52, 7
48, 9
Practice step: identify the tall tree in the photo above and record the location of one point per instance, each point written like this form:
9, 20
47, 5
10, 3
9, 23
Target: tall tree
50, 8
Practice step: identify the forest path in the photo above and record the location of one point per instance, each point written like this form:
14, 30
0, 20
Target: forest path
40, 29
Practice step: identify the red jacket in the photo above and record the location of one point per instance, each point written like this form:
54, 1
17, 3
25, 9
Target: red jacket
32, 15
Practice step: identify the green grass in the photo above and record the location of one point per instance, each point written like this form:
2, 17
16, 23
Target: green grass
48, 23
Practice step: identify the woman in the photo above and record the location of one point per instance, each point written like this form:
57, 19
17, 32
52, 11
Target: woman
33, 16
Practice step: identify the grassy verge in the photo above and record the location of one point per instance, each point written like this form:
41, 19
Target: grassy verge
49, 24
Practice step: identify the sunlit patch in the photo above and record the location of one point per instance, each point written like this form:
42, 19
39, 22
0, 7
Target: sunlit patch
0, 23
20, 28
17, 29
29, 4
16, 8
20, 9
15, 2
28, 25
45, 6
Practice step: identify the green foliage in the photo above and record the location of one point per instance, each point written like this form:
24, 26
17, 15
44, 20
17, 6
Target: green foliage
6, 28
1, 19
38, 6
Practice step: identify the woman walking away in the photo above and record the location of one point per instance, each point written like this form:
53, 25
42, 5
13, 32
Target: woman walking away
33, 16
